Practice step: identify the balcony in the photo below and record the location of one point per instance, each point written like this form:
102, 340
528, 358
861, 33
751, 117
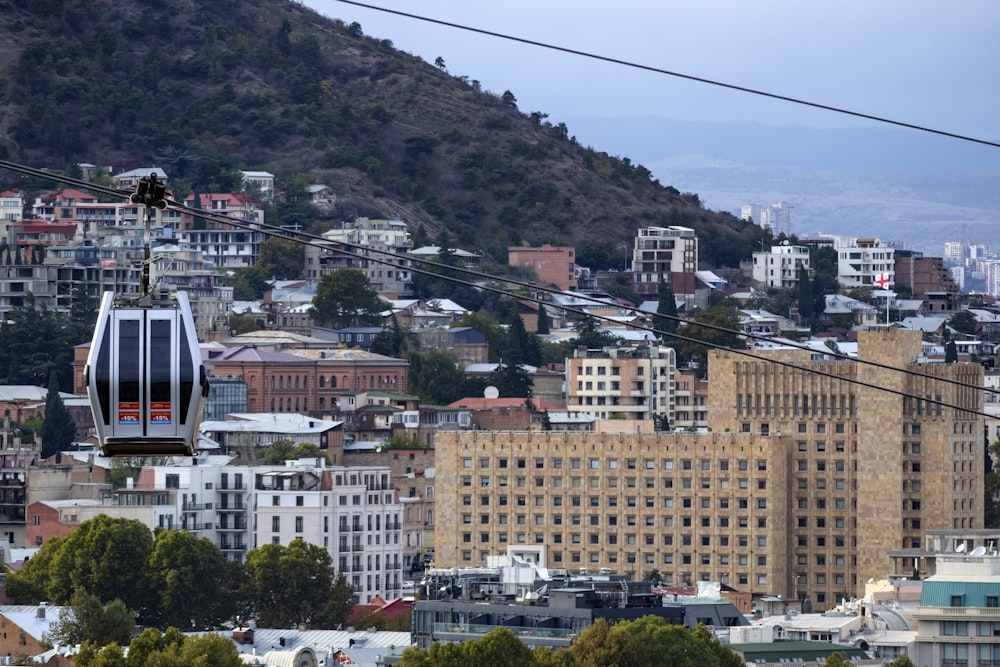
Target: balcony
357, 547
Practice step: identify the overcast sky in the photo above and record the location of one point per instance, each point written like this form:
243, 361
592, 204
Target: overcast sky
910, 60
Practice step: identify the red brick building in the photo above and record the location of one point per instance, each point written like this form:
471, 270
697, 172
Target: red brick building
552, 264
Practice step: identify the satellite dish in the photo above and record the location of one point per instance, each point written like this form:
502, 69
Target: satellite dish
960, 549
491, 392
978, 551
871, 580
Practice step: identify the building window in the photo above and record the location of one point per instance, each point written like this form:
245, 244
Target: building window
275, 524
298, 524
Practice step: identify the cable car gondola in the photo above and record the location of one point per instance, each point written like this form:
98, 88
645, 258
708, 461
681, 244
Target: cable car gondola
144, 374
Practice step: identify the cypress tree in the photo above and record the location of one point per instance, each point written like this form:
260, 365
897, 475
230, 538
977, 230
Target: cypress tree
543, 320
58, 429
805, 294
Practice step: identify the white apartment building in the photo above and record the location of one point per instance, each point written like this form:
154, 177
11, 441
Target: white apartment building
665, 254
779, 267
263, 181
380, 251
220, 243
352, 512
11, 206
777, 217
631, 383
861, 261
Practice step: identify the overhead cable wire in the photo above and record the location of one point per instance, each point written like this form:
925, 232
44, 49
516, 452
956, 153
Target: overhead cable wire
359, 251
666, 72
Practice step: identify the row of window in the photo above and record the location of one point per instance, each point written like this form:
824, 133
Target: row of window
612, 482
595, 463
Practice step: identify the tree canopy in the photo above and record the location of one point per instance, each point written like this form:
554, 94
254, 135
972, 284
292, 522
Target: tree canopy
648, 641
289, 585
344, 298
58, 429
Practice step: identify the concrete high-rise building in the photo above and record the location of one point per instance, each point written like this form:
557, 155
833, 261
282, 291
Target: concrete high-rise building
954, 252
777, 218
631, 383
804, 485
870, 470
665, 255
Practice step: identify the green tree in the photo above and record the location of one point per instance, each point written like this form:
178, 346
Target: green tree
901, 661
394, 341
105, 557
835, 659
509, 99
286, 586
666, 310
589, 336
714, 327
950, 352
806, 304
58, 429
436, 376
280, 258
251, 283
543, 321
191, 582
29, 584
964, 322
280, 451
344, 298
512, 380
86, 619
151, 641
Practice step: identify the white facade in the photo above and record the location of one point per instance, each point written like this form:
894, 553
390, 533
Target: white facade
352, 512
860, 263
11, 206
263, 181
386, 265
777, 217
780, 266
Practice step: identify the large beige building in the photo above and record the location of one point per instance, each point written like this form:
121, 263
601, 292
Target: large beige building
874, 464
805, 483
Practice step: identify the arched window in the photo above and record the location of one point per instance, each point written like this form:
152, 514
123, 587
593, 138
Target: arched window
296, 381
272, 402
333, 381
281, 405
281, 382
305, 405
322, 382
305, 382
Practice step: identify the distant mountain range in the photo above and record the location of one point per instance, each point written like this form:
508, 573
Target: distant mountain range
902, 185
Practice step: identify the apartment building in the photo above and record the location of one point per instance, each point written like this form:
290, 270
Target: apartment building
695, 507
631, 383
690, 400
779, 267
378, 248
872, 464
862, 260
554, 265
222, 244
665, 255
957, 620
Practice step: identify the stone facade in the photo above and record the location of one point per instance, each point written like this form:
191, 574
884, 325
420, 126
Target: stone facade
873, 467
693, 507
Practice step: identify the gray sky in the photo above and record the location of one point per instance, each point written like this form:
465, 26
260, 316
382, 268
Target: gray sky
910, 60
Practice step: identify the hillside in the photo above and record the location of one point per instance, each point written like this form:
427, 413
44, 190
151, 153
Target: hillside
204, 87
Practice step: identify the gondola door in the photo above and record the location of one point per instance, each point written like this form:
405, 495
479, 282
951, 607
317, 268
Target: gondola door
142, 376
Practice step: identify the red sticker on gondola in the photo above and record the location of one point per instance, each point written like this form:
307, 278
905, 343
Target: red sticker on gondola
128, 414
159, 413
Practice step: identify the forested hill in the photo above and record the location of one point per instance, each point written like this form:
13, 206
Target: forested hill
204, 87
